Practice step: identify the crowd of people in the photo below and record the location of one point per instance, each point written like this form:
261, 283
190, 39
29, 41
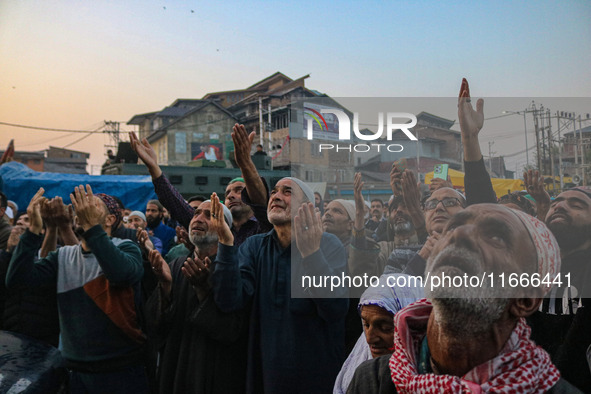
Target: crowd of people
200, 296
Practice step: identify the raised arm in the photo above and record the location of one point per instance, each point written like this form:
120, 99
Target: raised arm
254, 185
23, 271
172, 200
121, 264
58, 218
534, 183
359, 204
477, 181
412, 199
146, 154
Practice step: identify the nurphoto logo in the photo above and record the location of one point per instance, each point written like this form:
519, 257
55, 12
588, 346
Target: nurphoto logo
391, 119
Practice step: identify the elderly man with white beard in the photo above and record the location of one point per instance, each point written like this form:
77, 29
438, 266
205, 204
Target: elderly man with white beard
191, 334
467, 339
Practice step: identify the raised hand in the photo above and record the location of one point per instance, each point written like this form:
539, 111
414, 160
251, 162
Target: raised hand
183, 237
196, 271
89, 210
144, 240
14, 237
254, 185
395, 179
161, 270
34, 212
308, 229
471, 122
359, 203
432, 239
55, 214
412, 198
242, 144
146, 153
218, 222
534, 183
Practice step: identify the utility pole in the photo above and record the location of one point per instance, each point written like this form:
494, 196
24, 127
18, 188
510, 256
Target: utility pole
537, 130
269, 124
576, 145
550, 149
560, 169
113, 130
526, 148
582, 150
544, 139
261, 120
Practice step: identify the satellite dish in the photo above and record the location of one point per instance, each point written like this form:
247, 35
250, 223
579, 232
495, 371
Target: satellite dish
576, 179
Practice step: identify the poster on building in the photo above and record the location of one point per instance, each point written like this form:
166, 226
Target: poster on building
325, 126
207, 151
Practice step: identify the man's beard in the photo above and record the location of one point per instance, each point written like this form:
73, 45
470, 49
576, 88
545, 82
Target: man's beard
568, 236
465, 309
467, 316
154, 222
203, 241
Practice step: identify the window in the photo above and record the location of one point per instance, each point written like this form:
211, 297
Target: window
280, 121
315, 149
201, 180
176, 179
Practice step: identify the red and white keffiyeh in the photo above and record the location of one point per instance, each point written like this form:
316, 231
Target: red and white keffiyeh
521, 367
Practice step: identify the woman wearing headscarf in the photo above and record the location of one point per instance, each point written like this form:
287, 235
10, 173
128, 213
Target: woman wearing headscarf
377, 307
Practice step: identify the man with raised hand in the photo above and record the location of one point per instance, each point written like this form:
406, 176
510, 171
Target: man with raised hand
474, 338
137, 220
244, 224
98, 295
295, 344
477, 183
194, 338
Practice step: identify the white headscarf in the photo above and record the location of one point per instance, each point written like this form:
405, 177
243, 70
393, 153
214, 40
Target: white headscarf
388, 297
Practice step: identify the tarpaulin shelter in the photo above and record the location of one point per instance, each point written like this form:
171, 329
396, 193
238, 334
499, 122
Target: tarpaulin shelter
500, 186
20, 183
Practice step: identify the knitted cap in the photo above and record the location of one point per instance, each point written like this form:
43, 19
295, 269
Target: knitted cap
112, 206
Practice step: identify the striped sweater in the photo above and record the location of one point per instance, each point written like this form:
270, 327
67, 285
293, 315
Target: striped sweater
98, 297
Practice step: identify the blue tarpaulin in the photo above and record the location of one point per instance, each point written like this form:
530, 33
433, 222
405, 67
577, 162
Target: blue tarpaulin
20, 184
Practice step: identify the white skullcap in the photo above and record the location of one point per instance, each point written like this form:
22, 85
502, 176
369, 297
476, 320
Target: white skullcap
349, 207
305, 188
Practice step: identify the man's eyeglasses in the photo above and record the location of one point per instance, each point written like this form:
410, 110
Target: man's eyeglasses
447, 202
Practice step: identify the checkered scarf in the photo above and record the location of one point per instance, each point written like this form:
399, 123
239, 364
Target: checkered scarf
520, 367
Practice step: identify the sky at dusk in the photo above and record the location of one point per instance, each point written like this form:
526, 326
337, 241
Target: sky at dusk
74, 64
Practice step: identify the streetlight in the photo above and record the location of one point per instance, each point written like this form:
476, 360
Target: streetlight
525, 130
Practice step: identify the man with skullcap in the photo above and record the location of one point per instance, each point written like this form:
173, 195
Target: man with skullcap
98, 294
474, 338
137, 220
194, 336
245, 224
296, 338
